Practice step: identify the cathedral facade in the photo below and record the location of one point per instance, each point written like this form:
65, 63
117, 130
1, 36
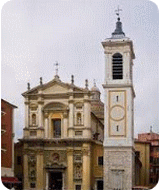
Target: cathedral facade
62, 144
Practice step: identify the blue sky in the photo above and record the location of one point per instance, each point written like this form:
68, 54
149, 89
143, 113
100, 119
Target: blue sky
37, 33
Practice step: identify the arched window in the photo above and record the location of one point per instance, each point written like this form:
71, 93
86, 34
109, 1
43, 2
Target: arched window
33, 119
79, 119
117, 66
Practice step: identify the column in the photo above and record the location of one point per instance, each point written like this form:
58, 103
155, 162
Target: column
86, 167
65, 124
71, 117
70, 185
63, 181
40, 115
87, 111
108, 66
71, 111
126, 66
47, 180
87, 117
25, 170
39, 170
50, 132
46, 127
26, 113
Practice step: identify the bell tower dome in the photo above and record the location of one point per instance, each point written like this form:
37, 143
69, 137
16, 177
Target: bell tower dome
119, 111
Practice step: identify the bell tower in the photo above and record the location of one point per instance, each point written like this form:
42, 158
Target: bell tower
119, 111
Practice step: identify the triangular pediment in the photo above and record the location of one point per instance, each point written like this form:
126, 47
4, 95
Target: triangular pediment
55, 88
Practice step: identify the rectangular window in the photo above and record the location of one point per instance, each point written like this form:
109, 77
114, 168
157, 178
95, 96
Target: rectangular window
78, 187
99, 184
57, 128
19, 160
117, 66
32, 185
100, 161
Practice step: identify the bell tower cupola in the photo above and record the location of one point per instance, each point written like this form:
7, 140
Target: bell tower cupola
119, 55
118, 33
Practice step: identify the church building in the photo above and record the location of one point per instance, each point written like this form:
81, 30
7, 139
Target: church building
71, 140
62, 142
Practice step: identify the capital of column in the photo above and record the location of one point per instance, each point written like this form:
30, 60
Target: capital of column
65, 114
46, 114
70, 101
26, 102
39, 151
41, 102
70, 151
86, 151
87, 100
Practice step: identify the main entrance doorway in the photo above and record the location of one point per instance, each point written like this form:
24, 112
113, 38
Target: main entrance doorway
55, 180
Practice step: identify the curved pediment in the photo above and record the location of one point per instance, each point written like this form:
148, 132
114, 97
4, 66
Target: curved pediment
54, 106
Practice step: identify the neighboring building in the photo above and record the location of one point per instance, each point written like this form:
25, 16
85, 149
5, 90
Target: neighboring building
143, 153
119, 157
18, 163
7, 144
153, 139
62, 146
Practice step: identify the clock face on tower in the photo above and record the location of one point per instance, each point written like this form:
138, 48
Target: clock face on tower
117, 113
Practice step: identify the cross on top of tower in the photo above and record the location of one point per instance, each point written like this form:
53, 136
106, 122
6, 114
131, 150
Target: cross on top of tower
56, 69
94, 82
118, 33
117, 11
56, 66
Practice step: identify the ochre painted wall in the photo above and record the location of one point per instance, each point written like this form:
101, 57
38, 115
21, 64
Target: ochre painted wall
144, 149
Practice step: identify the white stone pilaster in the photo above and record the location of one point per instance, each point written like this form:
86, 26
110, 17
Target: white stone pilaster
87, 112
40, 115
47, 180
71, 111
126, 66
108, 67
65, 125
46, 128
26, 112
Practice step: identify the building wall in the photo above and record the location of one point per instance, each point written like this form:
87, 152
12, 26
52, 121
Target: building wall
148, 136
144, 149
118, 171
18, 161
96, 169
153, 139
7, 135
6, 138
